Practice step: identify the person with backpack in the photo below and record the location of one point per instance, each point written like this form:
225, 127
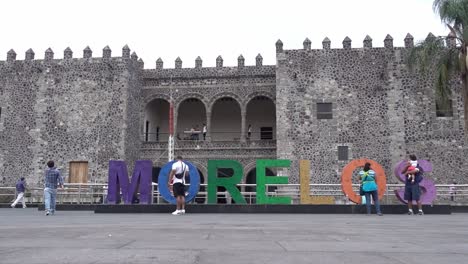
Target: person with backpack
412, 189
369, 188
177, 177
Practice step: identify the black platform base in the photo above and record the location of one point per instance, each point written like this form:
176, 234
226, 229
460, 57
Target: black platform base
19, 205
71, 207
267, 209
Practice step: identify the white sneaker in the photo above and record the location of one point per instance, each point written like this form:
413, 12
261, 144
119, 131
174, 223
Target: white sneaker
47, 212
176, 212
182, 211
25, 206
12, 205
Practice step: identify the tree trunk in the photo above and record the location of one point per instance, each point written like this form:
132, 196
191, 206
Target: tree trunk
465, 101
465, 86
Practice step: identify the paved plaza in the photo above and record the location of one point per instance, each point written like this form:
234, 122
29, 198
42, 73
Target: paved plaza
27, 236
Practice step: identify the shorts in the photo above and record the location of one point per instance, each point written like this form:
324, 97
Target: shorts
412, 192
178, 189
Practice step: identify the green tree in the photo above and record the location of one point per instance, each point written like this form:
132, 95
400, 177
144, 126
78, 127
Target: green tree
447, 55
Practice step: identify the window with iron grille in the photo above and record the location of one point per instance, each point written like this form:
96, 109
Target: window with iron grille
324, 111
343, 153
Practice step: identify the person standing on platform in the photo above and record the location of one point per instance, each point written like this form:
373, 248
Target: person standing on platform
412, 189
177, 176
20, 189
52, 179
369, 187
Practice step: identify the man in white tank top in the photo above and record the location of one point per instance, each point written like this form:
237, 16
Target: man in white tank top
177, 178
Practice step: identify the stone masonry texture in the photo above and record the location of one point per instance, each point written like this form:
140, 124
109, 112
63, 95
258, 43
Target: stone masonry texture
93, 109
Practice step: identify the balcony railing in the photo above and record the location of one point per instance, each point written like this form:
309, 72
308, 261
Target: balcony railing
205, 144
213, 136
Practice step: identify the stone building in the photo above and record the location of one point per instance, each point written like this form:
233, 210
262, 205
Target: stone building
327, 105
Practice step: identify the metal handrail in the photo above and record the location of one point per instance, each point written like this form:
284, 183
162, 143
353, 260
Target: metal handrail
93, 193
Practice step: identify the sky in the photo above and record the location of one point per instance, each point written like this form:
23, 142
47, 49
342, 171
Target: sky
206, 28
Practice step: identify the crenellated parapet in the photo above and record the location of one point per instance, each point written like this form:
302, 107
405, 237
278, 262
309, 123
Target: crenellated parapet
11, 55
87, 53
50, 57
219, 71
366, 44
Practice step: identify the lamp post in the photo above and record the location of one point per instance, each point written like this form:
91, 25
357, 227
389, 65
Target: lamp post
170, 144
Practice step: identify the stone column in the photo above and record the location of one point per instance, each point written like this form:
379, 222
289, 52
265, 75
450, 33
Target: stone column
243, 124
208, 126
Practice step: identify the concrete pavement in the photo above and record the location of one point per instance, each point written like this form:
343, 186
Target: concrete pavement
27, 236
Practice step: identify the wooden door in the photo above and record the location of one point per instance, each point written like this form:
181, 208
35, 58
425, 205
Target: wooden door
78, 172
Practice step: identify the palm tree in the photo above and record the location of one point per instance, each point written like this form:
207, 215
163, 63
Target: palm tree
449, 59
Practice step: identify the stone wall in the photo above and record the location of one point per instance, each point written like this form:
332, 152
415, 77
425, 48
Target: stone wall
93, 109
380, 109
67, 110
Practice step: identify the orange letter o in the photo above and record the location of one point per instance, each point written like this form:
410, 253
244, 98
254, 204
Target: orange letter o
347, 178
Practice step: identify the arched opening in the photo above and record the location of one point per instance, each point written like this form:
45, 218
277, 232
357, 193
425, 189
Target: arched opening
155, 174
191, 116
261, 119
226, 120
156, 123
251, 178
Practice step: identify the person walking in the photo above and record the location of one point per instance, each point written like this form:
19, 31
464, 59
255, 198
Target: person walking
177, 177
369, 188
412, 189
20, 189
52, 179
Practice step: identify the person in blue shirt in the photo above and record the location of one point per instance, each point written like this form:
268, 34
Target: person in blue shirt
20, 189
52, 179
369, 187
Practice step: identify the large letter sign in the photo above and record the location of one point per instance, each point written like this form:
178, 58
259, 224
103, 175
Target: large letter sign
262, 180
228, 182
118, 181
304, 180
163, 178
119, 184
428, 188
347, 177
